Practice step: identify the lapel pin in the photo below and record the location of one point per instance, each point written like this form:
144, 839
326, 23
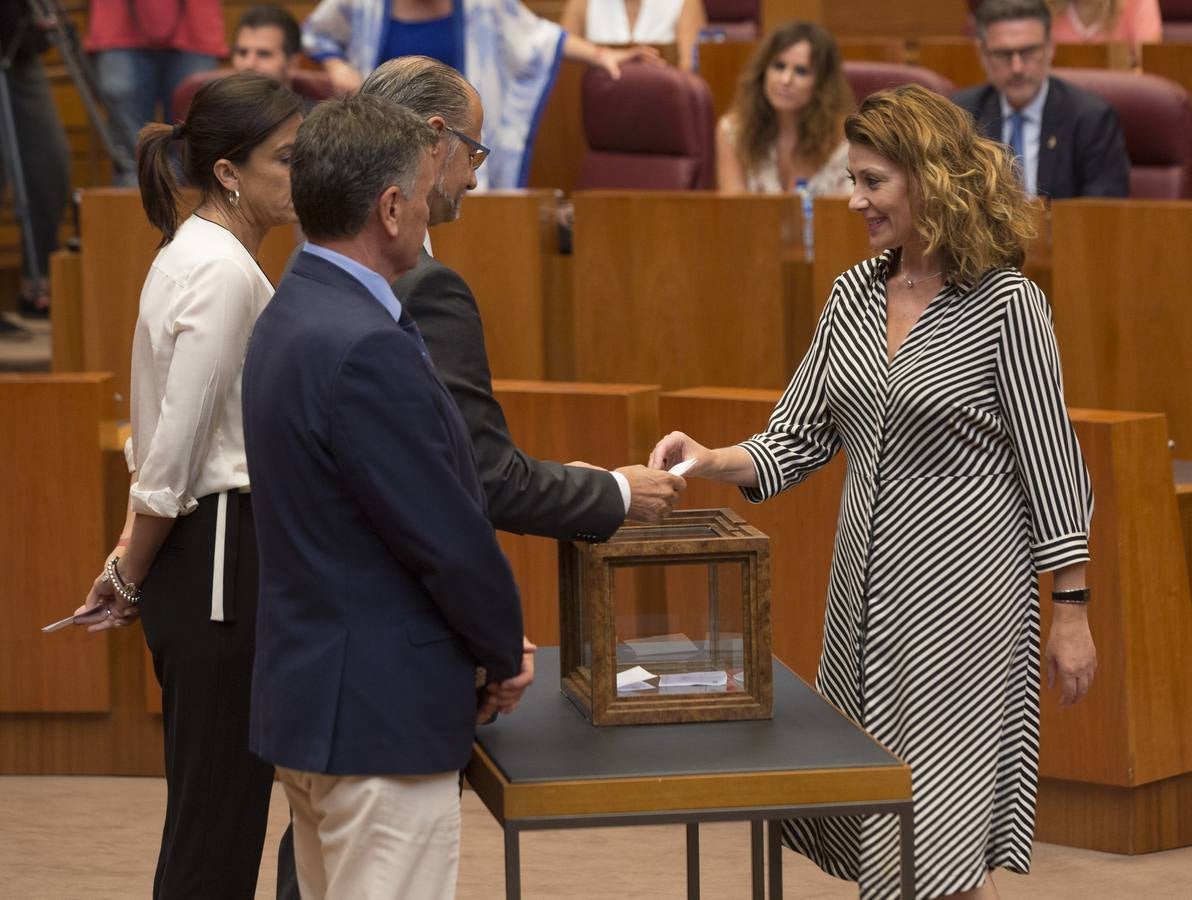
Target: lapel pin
1051, 142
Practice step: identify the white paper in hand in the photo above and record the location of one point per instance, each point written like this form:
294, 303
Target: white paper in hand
681, 469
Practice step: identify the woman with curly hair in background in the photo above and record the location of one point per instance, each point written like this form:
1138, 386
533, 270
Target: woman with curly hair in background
934, 367
786, 123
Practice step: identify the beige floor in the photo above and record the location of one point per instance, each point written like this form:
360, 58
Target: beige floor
96, 838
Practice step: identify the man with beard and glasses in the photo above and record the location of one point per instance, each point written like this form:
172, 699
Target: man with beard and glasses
525, 495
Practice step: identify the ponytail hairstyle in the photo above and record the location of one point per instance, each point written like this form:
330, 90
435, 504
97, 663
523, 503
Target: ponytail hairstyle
228, 118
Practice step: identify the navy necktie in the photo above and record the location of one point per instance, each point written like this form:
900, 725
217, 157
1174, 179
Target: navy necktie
1017, 142
407, 324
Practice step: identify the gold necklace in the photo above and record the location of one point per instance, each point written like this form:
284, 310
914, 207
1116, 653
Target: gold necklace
911, 282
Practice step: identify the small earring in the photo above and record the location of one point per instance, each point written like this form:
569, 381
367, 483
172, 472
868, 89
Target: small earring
234, 197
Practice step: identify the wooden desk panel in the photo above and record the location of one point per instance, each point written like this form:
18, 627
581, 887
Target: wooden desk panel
607, 425
1172, 61
66, 287
720, 65
560, 144
841, 242
801, 523
500, 245
680, 288
52, 539
956, 58
1117, 767
1093, 56
853, 18
1120, 302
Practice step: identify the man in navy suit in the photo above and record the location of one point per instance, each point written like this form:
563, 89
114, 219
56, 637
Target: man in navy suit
1068, 140
385, 599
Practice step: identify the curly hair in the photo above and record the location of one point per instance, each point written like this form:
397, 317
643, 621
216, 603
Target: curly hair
968, 202
818, 123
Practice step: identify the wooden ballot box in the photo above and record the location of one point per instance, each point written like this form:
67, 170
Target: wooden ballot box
668, 622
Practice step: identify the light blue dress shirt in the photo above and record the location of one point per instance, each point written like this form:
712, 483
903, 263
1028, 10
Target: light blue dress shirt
376, 285
1032, 132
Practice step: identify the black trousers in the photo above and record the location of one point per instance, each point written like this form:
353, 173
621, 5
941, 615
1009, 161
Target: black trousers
218, 792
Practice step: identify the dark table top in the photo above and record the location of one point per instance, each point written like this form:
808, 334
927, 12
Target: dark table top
548, 739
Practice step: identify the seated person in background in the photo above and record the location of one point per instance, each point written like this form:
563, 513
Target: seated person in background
1133, 22
506, 51
1067, 140
638, 22
268, 41
787, 121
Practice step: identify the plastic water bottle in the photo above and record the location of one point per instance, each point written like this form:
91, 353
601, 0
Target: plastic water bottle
706, 36
805, 201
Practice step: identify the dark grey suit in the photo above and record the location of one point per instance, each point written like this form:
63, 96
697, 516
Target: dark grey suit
1081, 149
525, 495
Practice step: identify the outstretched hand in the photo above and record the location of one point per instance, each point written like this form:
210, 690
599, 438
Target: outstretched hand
678, 447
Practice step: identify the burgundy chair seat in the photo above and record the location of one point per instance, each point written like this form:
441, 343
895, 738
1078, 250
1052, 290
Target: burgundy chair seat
1156, 120
306, 83
865, 77
650, 129
737, 19
1177, 20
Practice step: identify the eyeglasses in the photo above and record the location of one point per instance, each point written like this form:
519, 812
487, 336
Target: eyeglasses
1031, 54
477, 152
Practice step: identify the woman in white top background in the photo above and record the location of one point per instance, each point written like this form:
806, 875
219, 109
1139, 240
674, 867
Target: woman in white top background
787, 120
638, 22
188, 548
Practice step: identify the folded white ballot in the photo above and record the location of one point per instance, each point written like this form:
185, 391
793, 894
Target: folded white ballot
681, 468
694, 679
636, 675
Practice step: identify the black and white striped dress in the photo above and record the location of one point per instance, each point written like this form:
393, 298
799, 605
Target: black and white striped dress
964, 478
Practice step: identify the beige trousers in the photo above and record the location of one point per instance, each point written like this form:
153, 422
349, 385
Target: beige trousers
374, 837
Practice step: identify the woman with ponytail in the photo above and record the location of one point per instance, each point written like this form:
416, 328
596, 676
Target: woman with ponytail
186, 559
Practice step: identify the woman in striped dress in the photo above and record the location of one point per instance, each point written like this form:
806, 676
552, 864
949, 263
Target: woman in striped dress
934, 367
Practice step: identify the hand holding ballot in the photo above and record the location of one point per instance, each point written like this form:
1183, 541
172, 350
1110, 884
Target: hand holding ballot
652, 494
679, 454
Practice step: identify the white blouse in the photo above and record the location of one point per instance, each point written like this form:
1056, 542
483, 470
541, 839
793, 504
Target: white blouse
200, 300
607, 22
830, 181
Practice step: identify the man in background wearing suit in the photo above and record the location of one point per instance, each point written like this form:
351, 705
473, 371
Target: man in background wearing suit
525, 495
1067, 140
382, 586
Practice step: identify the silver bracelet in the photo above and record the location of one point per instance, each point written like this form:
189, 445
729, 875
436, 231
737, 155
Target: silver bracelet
126, 590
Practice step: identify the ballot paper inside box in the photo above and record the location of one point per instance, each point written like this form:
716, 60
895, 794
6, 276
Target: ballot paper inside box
669, 622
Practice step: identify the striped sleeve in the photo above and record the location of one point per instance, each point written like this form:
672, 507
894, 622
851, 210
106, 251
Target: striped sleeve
1030, 389
800, 436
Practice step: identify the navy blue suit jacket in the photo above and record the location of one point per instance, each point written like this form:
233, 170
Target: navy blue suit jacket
382, 585
1082, 152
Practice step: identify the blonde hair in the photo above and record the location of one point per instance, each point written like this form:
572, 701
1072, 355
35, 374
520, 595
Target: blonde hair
818, 123
969, 204
1107, 11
